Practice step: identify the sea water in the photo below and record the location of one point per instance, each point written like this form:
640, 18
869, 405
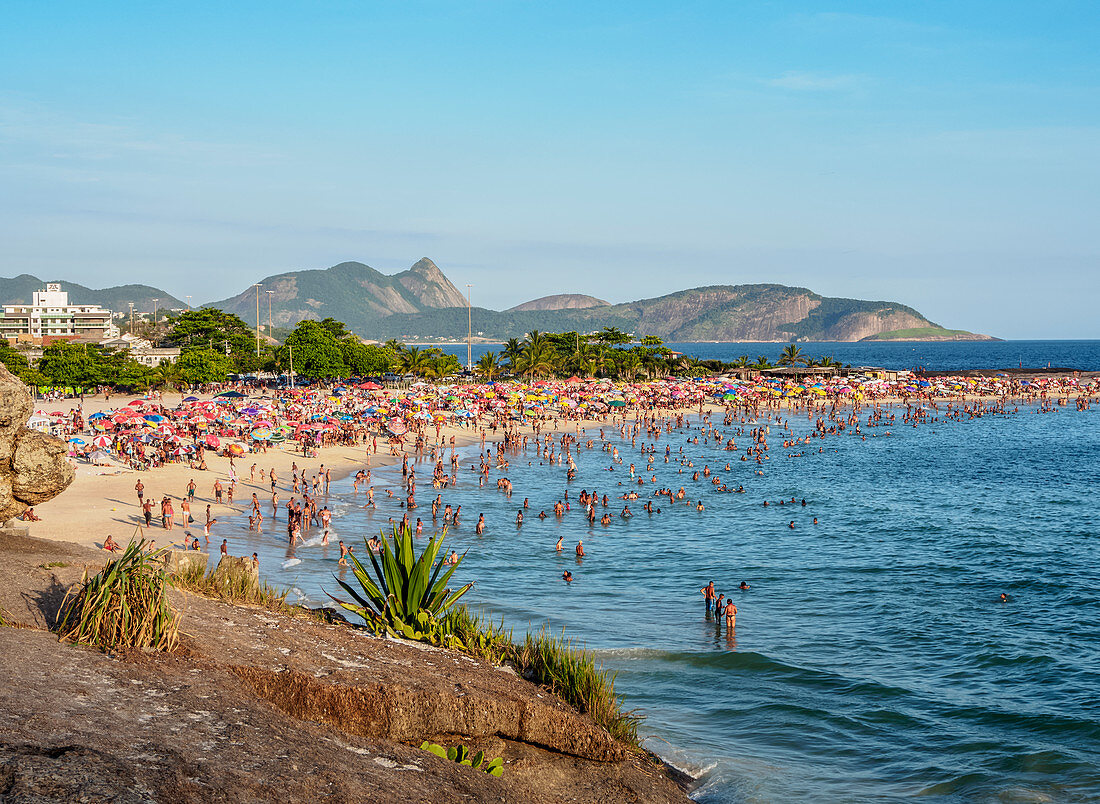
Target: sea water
872, 659
897, 355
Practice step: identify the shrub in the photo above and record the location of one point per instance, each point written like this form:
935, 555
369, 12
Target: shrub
124, 606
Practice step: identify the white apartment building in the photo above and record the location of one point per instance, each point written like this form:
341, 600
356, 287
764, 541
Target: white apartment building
50, 317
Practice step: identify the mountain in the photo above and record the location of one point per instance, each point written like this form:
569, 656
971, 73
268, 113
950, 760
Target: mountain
351, 292
18, 290
716, 313
562, 301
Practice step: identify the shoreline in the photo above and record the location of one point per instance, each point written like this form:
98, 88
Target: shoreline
102, 501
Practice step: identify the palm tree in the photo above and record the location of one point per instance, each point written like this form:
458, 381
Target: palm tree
539, 358
740, 362
487, 366
761, 363
416, 361
632, 365
513, 351
791, 356
827, 362
535, 338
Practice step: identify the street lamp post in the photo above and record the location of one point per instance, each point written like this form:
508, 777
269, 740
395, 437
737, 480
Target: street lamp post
188, 302
155, 313
257, 286
131, 317
469, 330
270, 293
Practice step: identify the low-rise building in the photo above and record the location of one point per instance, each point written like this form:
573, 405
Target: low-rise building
50, 317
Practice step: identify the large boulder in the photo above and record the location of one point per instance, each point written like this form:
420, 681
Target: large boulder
33, 467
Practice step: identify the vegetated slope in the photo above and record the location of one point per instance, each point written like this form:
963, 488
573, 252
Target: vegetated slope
351, 292
561, 301
929, 334
18, 290
718, 313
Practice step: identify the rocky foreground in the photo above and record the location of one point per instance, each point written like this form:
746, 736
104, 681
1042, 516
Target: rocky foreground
258, 706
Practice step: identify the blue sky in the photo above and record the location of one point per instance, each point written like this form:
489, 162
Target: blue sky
941, 154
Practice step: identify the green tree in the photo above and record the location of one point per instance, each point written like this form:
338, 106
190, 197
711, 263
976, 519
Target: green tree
198, 365
791, 356
317, 353
416, 361
513, 351
338, 329
69, 364
488, 366
612, 336
213, 328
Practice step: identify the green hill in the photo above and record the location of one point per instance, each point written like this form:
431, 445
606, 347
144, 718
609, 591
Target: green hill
351, 292
716, 313
19, 289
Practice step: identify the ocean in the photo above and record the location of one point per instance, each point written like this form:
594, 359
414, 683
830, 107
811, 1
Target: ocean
936, 356
873, 660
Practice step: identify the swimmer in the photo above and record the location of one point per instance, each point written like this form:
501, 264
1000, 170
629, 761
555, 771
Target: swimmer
567, 576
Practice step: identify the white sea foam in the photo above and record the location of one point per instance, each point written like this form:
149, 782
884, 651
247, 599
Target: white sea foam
291, 562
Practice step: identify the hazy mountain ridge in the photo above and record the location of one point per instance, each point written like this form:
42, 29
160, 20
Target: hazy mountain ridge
351, 292
18, 290
559, 301
716, 313
422, 303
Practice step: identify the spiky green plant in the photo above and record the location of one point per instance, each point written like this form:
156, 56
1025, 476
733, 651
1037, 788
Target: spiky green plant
406, 597
125, 605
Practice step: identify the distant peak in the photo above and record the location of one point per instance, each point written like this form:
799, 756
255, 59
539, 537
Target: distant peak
425, 266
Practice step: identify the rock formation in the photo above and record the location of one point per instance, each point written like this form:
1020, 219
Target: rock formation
33, 468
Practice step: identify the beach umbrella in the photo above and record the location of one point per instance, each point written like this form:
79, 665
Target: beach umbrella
76, 440
213, 442
261, 434
101, 441
190, 399
237, 449
152, 417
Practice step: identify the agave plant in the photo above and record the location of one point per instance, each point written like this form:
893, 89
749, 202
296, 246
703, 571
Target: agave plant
406, 597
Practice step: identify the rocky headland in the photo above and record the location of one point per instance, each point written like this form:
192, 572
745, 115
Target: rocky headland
257, 705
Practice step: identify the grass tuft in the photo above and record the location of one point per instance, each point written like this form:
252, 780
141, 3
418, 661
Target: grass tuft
125, 605
571, 673
237, 587
554, 662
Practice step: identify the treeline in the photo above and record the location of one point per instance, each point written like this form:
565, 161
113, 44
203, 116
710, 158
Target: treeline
213, 346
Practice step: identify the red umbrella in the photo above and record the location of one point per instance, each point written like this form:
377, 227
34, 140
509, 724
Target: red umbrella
212, 441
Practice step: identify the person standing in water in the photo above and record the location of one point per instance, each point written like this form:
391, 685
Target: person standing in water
709, 595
